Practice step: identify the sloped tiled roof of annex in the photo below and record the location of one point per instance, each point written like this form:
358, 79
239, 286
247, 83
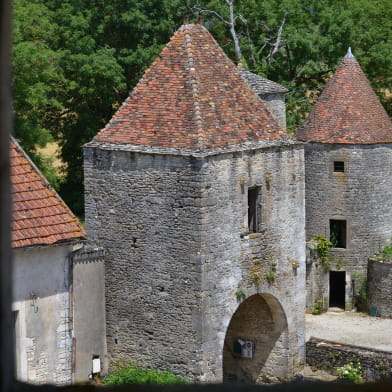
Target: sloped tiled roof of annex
348, 111
261, 85
40, 216
192, 98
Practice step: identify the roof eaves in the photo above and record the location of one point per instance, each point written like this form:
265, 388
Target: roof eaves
284, 141
69, 241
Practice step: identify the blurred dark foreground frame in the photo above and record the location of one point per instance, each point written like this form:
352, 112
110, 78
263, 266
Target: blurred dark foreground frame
299, 386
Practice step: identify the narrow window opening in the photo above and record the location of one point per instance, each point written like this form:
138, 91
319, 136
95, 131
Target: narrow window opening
338, 166
254, 209
338, 233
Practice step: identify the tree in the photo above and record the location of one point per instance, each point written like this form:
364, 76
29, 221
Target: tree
105, 47
38, 81
76, 60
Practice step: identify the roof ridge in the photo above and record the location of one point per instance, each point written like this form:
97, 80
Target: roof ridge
196, 115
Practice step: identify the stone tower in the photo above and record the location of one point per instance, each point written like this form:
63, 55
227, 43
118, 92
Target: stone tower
273, 94
197, 196
348, 163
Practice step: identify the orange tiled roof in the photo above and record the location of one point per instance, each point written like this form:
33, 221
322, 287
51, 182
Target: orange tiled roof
348, 111
40, 217
193, 98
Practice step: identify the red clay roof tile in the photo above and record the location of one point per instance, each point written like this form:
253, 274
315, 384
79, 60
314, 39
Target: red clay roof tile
40, 217
348, 111
192, 97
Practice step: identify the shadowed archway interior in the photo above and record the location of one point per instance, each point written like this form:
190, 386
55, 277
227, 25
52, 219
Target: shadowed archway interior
261, 320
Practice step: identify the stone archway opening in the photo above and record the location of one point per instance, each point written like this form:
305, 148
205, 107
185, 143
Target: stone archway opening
256, 343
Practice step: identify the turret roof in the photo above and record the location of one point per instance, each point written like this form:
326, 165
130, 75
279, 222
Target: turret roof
192, 98
40, 216
348, 111
261, 85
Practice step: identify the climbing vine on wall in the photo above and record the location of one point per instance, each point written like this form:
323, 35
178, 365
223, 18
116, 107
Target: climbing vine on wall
322, 247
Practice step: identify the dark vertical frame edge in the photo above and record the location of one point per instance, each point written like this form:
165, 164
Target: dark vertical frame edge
6, 339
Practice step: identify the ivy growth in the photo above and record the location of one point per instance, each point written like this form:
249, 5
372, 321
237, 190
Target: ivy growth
240, 294
270, 277
323, 246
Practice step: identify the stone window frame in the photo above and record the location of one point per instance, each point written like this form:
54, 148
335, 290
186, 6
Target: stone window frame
332, 172
340, 218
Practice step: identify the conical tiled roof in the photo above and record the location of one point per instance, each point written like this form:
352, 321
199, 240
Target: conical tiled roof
348, 111
191, 98
40, 217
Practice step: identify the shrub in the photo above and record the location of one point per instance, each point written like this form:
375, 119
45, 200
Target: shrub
351, 372
130, 374
318, 307
387, 251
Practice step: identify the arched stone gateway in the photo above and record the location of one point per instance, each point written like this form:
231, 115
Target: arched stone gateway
259, 323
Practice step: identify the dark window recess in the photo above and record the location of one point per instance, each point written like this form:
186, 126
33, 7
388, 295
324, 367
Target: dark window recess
338, 167
338, 233
254, 209
237, 349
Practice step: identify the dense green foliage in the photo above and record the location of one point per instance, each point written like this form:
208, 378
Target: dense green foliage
386, 252
76, 60
130, 374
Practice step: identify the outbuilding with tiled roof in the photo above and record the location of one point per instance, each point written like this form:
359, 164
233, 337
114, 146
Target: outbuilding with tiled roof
58, 297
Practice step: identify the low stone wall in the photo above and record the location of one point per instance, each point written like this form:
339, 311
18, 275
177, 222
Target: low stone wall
379, 287
326, 355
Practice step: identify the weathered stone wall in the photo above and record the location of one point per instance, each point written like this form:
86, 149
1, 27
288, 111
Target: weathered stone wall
178, 250
280, 243
276, 104
41, 279
89, 325
322, 354
360, 195
316, 280
144, 210
379, 287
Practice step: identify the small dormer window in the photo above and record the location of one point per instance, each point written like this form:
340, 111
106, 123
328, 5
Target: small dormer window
338, 166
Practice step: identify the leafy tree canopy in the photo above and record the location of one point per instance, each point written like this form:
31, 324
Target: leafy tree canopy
76, 60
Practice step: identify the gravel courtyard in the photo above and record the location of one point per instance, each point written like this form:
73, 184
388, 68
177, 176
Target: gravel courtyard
351, 328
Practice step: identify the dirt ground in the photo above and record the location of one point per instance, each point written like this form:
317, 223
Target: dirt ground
347, 327
351, 328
